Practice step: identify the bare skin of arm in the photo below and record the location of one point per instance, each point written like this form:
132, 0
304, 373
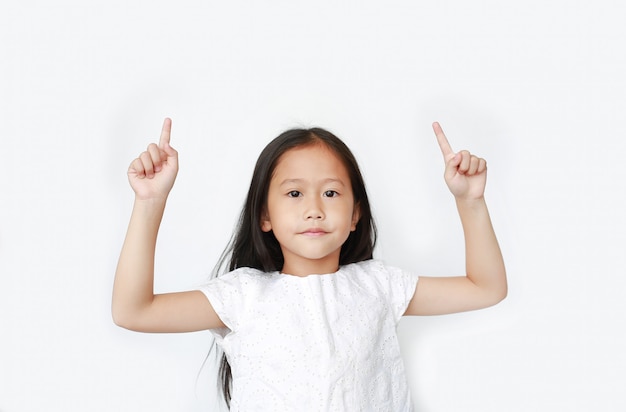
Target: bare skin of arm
485, 281
134, 305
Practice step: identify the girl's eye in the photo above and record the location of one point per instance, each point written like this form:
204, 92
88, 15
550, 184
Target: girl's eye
330, 193
294, 193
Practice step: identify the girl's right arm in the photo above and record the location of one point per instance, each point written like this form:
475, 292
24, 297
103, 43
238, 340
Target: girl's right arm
134, 305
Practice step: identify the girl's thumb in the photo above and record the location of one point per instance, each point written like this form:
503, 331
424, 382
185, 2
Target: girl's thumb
452, 164
169, 150
454, 160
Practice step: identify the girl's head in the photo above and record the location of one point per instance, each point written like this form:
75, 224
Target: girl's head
254, 243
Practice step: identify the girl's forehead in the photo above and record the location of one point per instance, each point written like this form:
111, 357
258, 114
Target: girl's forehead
315, 159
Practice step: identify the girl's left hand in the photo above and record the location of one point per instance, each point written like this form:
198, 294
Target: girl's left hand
465, 174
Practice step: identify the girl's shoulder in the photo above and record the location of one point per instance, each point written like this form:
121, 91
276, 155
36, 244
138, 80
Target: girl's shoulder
373, 266
244, 277
380, 274
385, 282
243, 272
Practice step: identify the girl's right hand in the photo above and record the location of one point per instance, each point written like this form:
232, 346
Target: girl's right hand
153, 173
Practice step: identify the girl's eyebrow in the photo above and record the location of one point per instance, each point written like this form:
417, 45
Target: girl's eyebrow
323, 181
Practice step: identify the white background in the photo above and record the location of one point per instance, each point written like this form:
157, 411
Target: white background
536, 87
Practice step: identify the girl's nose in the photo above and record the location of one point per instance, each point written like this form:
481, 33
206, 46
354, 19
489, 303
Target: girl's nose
314, 210
314, 216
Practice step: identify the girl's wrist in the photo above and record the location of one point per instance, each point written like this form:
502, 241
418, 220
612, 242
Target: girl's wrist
151, 202
472, 203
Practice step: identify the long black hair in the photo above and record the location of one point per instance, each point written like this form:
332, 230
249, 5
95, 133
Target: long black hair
251, 247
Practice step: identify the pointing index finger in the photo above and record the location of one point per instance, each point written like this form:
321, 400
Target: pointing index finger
446, 149
165, 132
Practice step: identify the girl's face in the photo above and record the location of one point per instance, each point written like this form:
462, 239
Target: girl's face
310, 209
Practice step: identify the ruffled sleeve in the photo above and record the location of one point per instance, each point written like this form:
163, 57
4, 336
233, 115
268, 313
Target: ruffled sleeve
226, 294
400, 288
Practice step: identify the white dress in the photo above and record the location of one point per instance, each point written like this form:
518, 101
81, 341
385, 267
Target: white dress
315, 343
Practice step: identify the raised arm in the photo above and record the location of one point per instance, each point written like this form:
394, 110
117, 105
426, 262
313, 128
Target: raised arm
485, 281
134, 305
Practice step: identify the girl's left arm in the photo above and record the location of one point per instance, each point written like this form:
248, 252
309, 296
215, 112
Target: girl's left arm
485, 281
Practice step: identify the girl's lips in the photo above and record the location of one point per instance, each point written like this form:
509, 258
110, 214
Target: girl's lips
314, 232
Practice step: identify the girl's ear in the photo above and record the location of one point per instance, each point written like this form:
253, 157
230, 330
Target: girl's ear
356, 215
266, 225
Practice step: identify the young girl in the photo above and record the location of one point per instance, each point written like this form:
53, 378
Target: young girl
305, 317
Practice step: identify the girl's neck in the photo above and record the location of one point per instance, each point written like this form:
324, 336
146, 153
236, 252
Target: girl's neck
307, 267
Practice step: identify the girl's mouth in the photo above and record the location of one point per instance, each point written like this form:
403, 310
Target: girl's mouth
314, 232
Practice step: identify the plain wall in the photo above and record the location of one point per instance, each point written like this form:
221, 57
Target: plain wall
536, 87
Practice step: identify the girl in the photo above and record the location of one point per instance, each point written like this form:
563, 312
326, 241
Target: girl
305, 317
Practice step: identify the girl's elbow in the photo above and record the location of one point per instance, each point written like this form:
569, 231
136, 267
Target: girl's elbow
120, 320
505, 292
499, 288
123, 319
504, 289
498, 295
491, 295
501, 296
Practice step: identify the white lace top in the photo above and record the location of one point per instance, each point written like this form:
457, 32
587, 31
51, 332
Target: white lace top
314, 343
